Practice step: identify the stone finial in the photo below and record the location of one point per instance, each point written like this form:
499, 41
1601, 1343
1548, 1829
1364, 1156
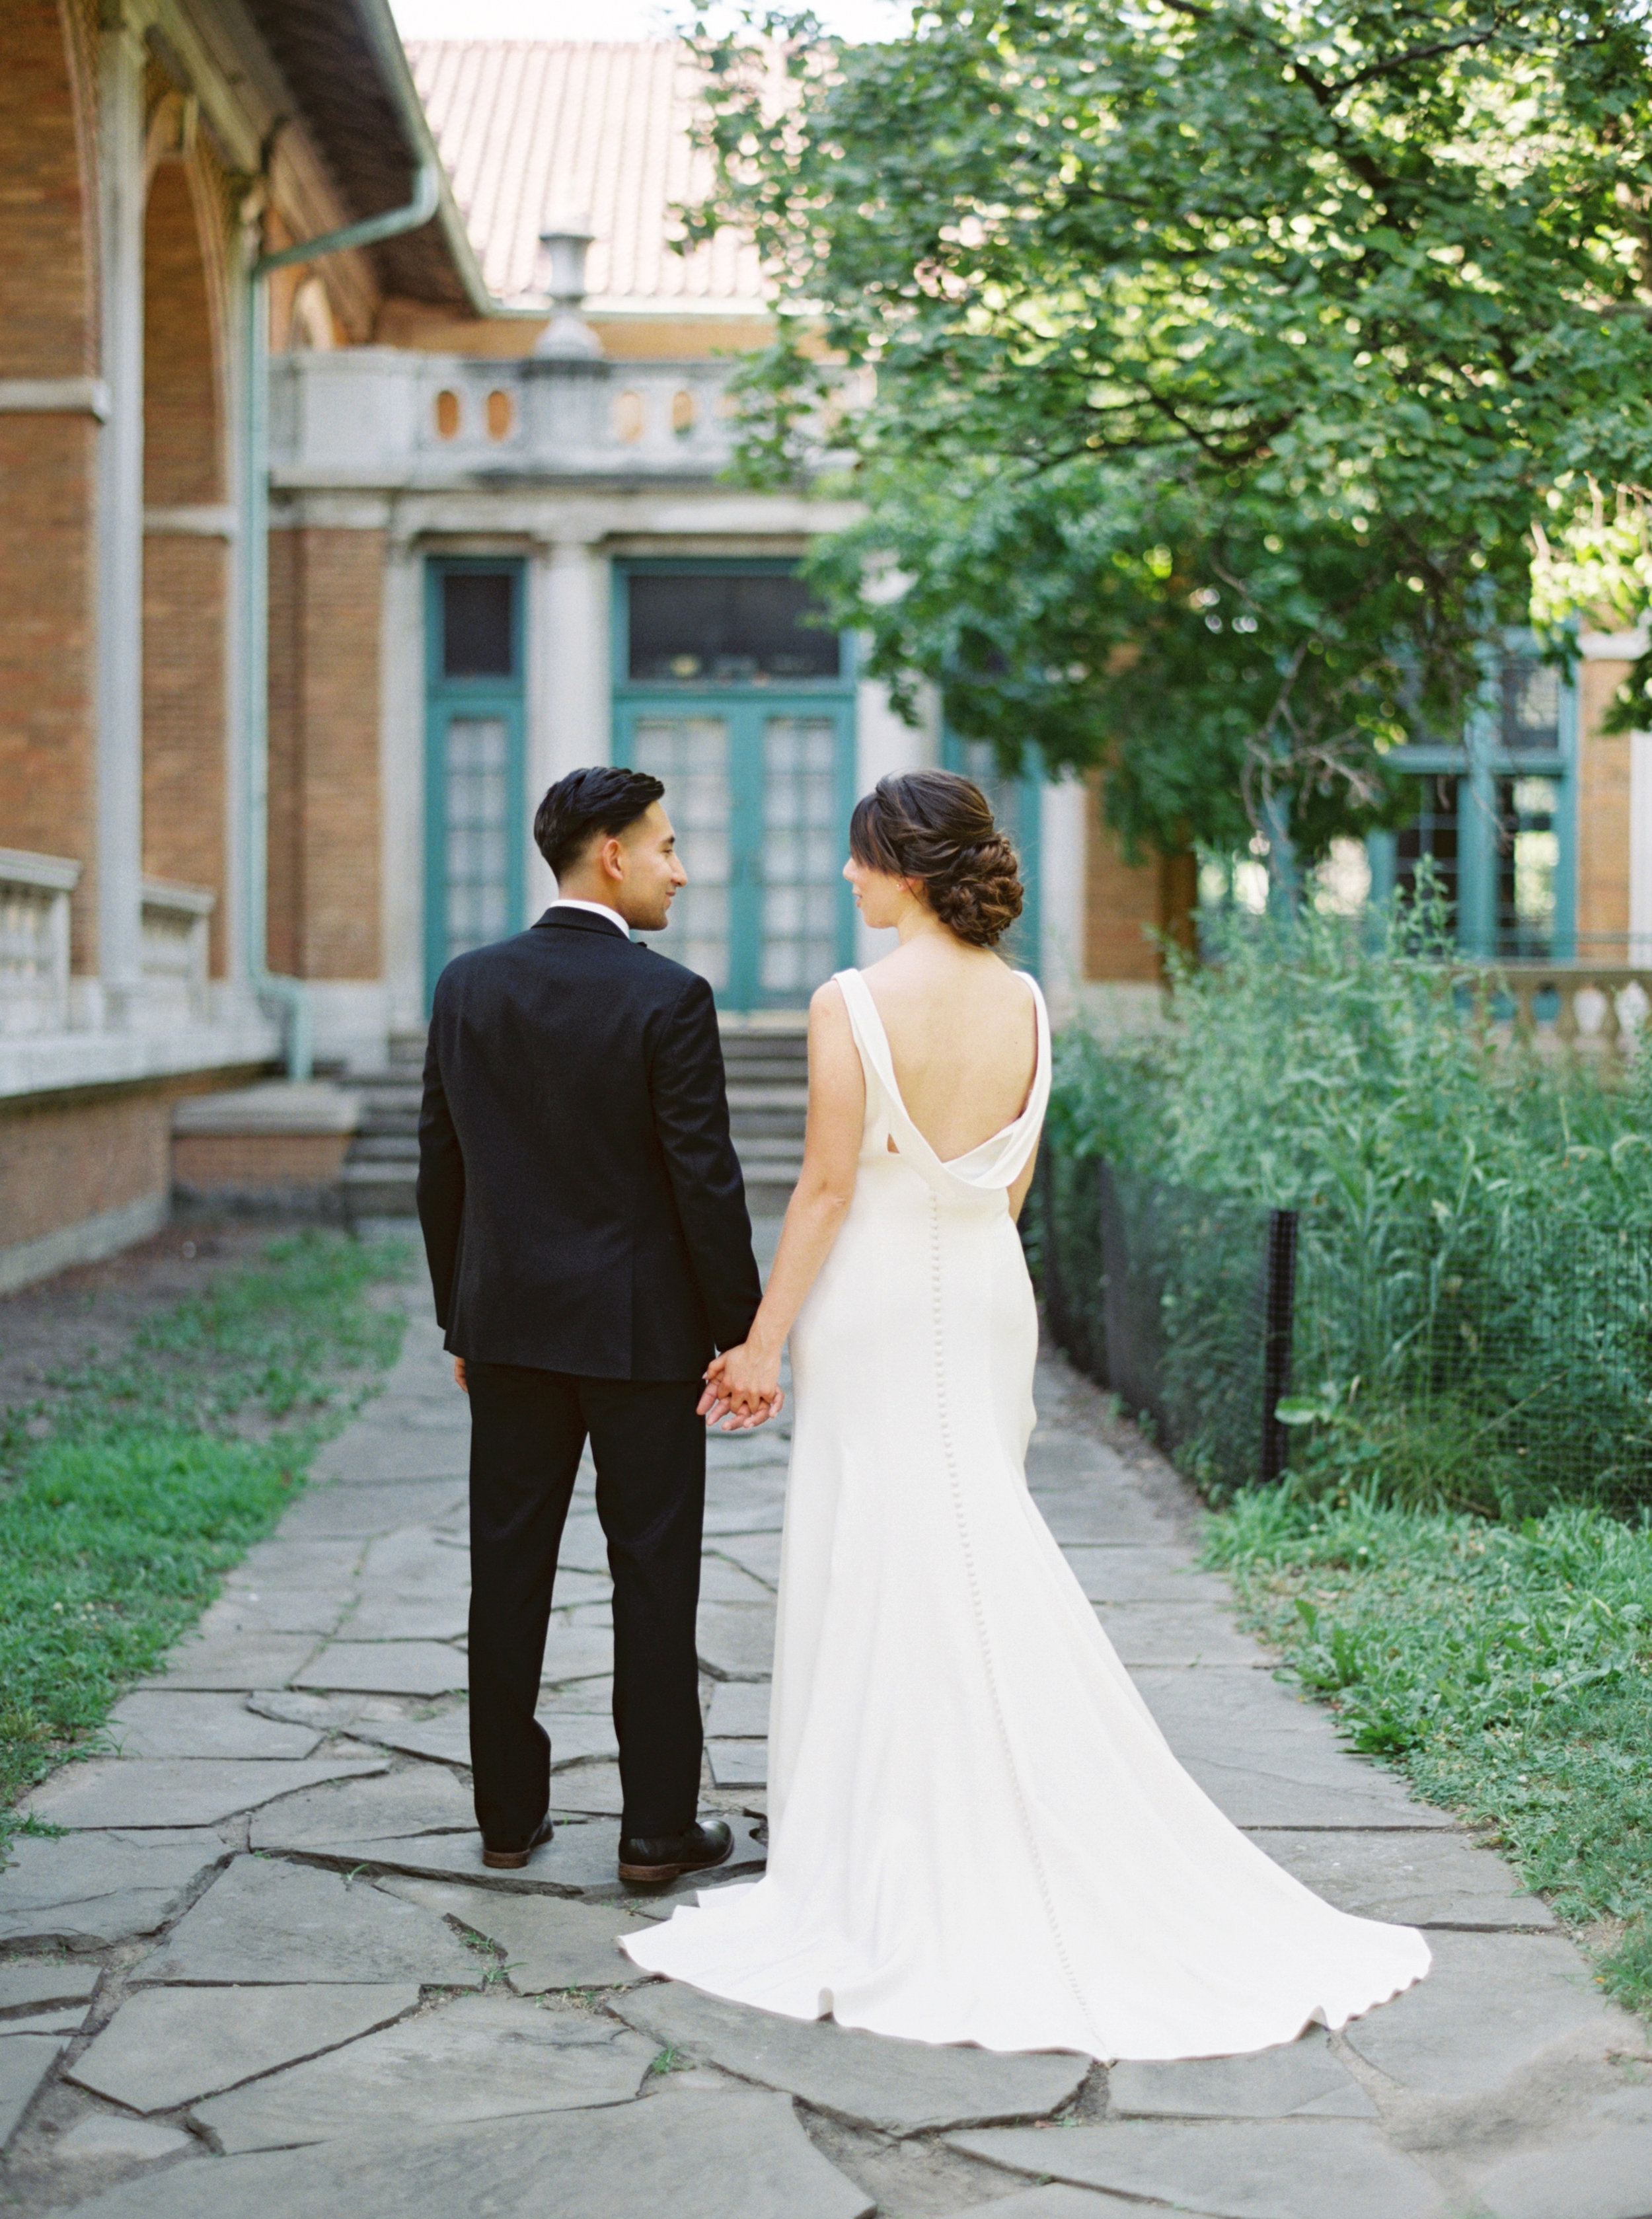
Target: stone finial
567, 334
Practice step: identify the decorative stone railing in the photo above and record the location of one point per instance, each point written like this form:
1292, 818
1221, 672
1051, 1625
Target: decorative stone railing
34, 892
176, 922
383, 416
1597, 1008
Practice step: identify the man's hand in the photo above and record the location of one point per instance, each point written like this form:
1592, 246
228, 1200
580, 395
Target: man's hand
742, 1389
459, 1379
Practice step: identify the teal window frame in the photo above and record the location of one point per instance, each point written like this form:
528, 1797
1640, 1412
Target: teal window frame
492, 696
1477, 764
745, 703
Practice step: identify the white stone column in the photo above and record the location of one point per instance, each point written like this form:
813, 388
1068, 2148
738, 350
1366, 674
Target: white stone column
576, 728
402, 779
120, 517
1061, 894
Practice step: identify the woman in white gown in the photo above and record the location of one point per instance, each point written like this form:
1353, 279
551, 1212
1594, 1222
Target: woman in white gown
977, 1831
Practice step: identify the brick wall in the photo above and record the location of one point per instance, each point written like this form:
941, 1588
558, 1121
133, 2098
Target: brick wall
47, 463
324, 801
1125, 902
1602, 818
63, 1162
185, 595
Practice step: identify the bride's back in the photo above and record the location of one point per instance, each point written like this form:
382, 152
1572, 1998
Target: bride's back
963, 1035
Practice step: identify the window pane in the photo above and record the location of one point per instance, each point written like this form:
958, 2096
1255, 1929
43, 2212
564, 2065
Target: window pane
691, 754
477, 819
1531, 709
1528, 860
727, 629
1432, 832
801, 858
477, 639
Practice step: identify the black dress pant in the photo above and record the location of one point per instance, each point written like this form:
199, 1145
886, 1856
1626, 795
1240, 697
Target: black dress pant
528, 1428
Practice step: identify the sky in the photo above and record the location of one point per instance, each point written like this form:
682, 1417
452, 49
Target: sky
613, 19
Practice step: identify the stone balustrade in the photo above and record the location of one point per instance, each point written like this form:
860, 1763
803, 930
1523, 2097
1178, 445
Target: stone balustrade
176, 922
1577, 1008
379, 416
34, 892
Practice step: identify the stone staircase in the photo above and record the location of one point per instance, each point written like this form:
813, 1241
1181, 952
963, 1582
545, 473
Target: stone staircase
768, 1064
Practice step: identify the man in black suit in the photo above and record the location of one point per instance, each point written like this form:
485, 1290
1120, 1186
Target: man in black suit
586, 1225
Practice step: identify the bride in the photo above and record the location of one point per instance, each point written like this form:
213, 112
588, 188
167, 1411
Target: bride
978, 1833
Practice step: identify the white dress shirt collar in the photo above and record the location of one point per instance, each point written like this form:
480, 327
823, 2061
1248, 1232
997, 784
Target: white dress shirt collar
597, 909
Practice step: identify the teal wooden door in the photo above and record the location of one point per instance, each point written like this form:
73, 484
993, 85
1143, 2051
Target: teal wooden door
476, 828
760, 787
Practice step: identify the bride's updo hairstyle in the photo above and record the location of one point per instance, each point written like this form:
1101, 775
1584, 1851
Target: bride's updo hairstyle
936, 828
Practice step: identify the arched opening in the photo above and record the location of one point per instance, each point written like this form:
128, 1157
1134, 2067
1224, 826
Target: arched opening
186, 552
48, 450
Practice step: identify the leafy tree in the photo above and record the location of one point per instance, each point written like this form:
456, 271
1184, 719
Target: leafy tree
1204, 366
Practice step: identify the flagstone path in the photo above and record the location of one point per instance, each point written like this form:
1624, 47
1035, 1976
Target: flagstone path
265, 1971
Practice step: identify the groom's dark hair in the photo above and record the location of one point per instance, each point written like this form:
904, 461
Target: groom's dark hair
590, 804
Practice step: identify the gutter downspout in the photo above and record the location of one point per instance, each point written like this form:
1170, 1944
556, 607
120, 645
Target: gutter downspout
255, 586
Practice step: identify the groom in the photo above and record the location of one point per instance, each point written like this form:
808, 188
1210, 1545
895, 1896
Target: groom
585, 1226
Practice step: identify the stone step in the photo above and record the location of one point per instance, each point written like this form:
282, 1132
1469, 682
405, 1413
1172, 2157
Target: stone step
378, 1189
384, 1148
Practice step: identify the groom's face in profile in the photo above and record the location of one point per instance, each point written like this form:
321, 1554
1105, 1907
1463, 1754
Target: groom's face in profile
636, 872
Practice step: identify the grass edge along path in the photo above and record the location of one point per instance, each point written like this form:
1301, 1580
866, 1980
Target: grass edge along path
1505, 1670
125, 1500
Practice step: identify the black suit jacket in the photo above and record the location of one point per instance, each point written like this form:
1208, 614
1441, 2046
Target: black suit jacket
582, 1202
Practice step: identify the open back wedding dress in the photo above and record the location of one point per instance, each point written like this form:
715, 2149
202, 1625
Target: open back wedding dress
978, 1833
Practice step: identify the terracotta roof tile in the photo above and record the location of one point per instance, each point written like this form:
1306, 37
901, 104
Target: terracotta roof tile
533, 132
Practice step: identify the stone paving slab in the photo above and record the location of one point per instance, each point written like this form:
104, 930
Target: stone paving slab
728, 1519
549, 1943
274, 1610
152, 1724
484, 2057
386, 1668
1267, 1758
96, 1888
63, 2020
172, 1792
1084, 1516
413, 1562
33, 1981
99, 2136
739, 1710
422, 1616
1604, 2176
233, 1662
371, 1453
722, 1581
737, 2156
1184, 1634
1230, 2168
1491, 2006
265, 1922
574, 1735
576, 1652
25, 2060
1059, 2200
285, 1561
1410, 1879
1146, 1572
756, 1553
167, 2047
346, 1513
426, 1798
1300, 2079
735, 1641
591, 1791
893, 2087
738, 1764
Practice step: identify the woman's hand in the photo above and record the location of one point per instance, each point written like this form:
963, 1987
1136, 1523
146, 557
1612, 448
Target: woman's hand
742, 1388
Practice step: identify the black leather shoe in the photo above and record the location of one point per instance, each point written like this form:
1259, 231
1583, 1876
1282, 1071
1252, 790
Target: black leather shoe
646, 1860
513, 1859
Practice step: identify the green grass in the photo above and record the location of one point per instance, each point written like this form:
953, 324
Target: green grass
1506, 1670
127, 1494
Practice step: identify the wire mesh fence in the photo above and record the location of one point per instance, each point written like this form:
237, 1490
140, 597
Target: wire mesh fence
1501, 1367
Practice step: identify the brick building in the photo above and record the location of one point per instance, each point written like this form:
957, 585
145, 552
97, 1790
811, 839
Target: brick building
319, 566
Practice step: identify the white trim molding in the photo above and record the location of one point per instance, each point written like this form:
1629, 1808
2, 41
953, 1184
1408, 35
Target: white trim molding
54, 396
207, 520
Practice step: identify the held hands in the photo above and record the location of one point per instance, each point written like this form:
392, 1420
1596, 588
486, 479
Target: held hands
742, 1389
